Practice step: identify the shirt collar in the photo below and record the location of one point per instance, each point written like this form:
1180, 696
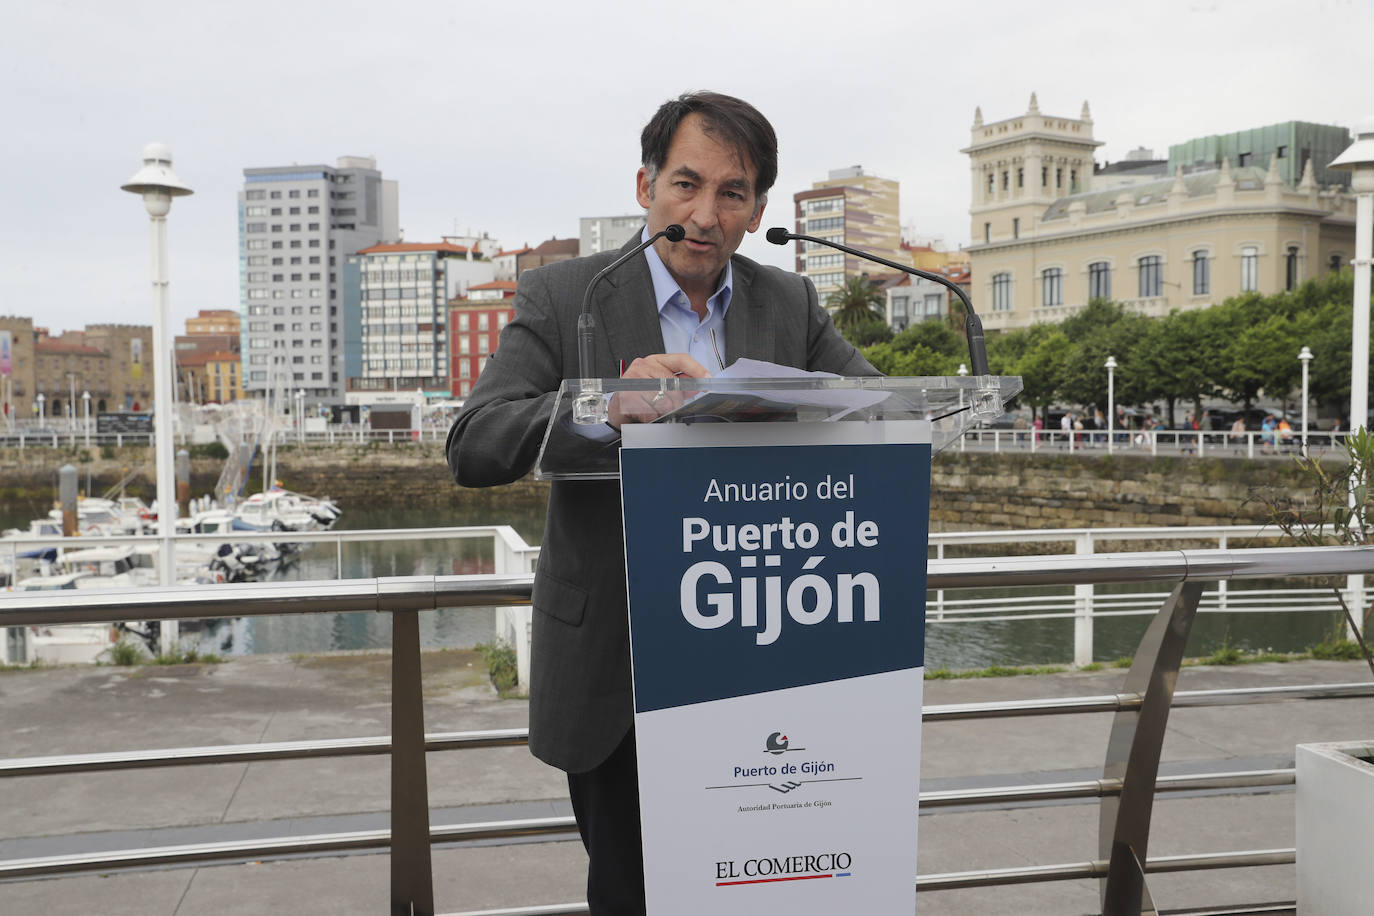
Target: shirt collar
665, 287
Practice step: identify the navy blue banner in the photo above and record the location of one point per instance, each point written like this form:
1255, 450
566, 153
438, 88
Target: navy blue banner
757, 569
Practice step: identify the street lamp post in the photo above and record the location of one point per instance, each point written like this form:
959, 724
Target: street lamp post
300, 414
157, 185
71, 401
1358, 158
86, 405
1306, 357
42, 417
1110, 366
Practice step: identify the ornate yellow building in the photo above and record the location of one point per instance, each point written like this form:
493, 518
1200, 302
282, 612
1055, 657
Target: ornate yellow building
1050, 232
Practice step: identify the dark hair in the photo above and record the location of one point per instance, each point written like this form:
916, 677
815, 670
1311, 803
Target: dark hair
734, 121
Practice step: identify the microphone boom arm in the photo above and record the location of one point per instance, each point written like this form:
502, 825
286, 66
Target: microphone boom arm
973, 325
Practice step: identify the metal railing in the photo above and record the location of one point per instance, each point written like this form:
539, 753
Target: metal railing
1127, 789
1251, 444
1083, 604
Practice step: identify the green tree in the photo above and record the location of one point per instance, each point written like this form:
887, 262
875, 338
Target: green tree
1171, 360
868, 332
855, 302
1102, 329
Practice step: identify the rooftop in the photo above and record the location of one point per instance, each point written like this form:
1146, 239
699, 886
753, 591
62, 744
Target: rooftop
397, 247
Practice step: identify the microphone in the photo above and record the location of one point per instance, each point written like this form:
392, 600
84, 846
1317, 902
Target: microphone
973, 325
589, 408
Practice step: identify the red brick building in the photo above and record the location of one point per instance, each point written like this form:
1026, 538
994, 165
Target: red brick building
475, 323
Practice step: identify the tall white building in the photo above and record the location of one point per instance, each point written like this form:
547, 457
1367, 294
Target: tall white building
297, 225
607, 233
396, 295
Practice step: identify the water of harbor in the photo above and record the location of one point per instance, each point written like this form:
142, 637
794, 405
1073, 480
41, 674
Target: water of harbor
948, 645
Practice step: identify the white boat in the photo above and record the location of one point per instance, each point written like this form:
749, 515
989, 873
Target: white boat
69, 644
282, 509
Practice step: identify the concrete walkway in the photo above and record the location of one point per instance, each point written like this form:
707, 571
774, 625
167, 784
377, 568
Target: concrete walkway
278, 698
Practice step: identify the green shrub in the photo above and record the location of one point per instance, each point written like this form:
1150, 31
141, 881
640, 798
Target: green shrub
107, 452
1333, 649
501, 665
125, 653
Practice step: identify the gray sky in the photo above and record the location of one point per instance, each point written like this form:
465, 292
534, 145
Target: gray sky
516, 119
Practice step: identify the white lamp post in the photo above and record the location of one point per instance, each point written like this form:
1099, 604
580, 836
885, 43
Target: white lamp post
42, 417
1110, 366
71, 401
1306, 357
1359, 159
86, 405
300, 414
157, 185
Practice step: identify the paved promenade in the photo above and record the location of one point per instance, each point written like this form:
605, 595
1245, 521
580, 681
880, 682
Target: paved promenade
278, 698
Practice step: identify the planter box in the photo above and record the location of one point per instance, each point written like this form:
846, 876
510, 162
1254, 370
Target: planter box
1335, 828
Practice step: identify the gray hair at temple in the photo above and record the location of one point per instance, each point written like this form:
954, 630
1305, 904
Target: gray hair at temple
734, 121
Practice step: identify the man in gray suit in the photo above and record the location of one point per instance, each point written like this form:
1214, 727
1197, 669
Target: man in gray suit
686, 308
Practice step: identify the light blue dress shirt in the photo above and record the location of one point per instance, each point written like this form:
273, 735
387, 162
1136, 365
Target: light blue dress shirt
683, 332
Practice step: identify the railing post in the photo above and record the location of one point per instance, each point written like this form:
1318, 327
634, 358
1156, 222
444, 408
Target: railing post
1083, 608
1133, 751
1221, 583
412, 877
1201, 443
1355, 600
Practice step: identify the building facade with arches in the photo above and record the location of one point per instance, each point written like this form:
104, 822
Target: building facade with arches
1052, 229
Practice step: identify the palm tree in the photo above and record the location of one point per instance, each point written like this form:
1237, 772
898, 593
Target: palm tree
856, 302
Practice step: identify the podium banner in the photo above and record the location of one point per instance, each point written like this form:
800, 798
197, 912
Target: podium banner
776, 581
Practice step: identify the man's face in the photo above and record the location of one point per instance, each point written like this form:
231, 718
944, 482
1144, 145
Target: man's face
707, 188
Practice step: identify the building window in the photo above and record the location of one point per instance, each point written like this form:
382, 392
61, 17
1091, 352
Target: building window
1052, 286
1202, 274
1020, 178
1335, 263
1001, 292
1016, 227
1006, 181
987, 232
1249, 269
1151, 276
992, 184
1291, 269
1243, 160
933, 303
254, 195
1099, 280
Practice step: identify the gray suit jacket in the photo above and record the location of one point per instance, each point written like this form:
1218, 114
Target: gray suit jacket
581, 704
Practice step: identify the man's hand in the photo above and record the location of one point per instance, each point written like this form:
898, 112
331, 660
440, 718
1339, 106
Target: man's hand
647, 406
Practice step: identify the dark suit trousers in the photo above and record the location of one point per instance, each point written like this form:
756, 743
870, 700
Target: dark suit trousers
606, 803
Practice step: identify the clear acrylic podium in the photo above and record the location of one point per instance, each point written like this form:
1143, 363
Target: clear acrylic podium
950, 403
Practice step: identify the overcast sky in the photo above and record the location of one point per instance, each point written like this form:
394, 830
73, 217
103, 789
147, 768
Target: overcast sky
516, 119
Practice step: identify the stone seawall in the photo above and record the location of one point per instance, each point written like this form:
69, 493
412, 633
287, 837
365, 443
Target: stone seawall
969, 490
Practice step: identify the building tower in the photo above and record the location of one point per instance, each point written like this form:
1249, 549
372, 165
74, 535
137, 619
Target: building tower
1022, 165
856, 209
297, 224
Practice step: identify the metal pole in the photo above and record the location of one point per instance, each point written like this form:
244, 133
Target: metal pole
162, 433
1111, 410
86, 404
1306, 357
1363, 182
